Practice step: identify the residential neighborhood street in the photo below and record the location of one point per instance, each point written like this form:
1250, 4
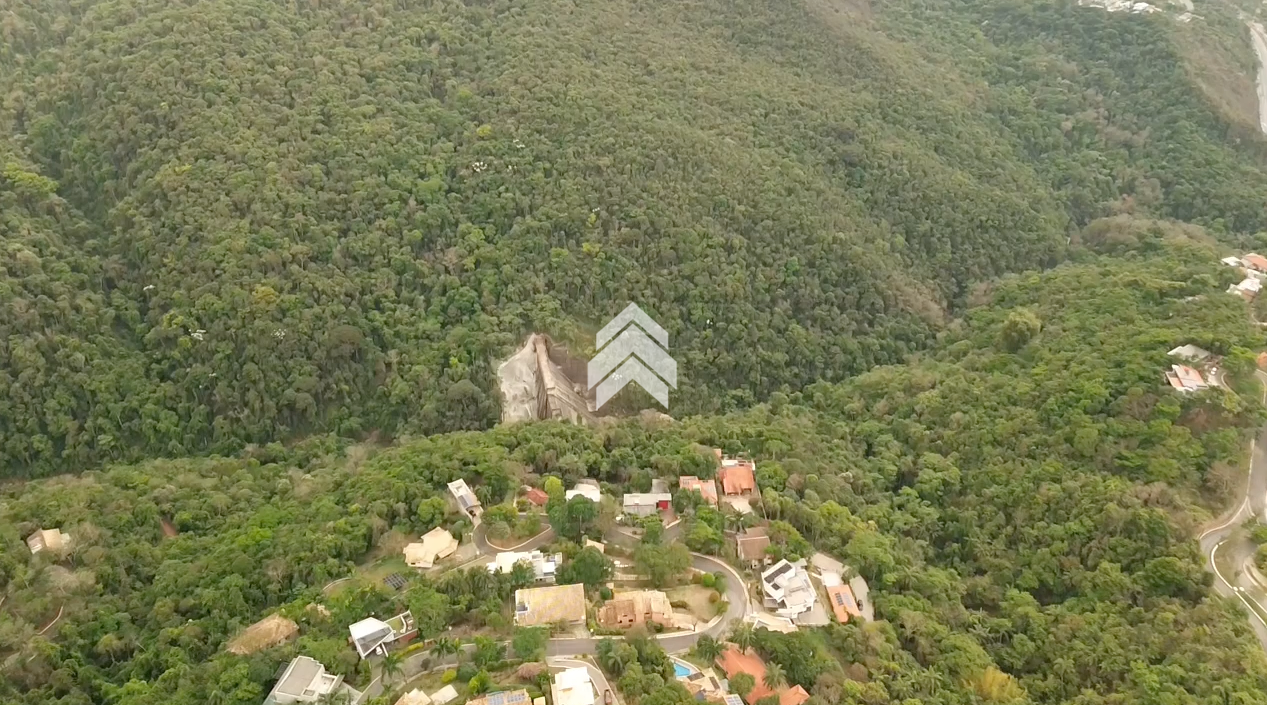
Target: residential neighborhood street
1223, 544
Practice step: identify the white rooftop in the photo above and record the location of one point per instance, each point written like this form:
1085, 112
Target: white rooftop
572, 686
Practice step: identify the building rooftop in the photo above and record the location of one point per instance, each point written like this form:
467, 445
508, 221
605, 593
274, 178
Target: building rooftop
587, 489
505, 697
733, 662
537, 496
646, 498
842, 602
1190, 352
436, 544
737, 476
706, 488
535, 607
572, 686
788, 585
752, 544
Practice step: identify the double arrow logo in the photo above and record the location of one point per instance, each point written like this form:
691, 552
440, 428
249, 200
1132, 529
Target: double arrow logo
631, 348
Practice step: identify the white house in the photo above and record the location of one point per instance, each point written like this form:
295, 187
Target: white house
573, 686
787, 588
543, 565
466, 499
587, 489
374, 636
305, 681
643, 504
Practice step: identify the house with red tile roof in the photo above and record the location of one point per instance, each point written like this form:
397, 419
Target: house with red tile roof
738, 477
537, 496
706, 488
733, 662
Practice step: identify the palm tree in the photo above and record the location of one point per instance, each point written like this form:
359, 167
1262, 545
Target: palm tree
446, 646
775, 678
707, 648
392, 665
742, 635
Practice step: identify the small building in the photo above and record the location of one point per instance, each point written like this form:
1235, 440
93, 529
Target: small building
543, 565
788, 590
572, 686
738, 476
1255, 261
414, 697
537, 496
505, 697
466, 499
52, 540
305, 680
447, 694
706, 488
1191, 353
1247, 289
629, 609
543, 606
587, 489
374, 636
1185, 379
436, 544
1232, 261
602, 547
643, 504
842, 602
751, 547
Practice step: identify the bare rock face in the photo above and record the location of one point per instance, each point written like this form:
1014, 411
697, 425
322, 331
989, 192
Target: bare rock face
535, 385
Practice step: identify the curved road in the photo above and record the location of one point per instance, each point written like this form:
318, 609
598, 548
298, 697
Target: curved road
1221, 541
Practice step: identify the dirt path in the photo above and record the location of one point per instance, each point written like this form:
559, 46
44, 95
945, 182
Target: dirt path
1258, 36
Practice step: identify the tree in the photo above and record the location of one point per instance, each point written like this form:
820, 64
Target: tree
488, 651
391, 665
775, 678
708, 648
590, 567
529, 642
1020, 327
479, 683
742, 684
743, 635
662, 564
445, 647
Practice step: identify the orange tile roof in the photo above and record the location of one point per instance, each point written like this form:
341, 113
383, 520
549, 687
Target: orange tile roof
738, 478
706, 488
1256, 261
842, 602
734, 662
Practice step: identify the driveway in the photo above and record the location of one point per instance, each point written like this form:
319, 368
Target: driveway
480, 537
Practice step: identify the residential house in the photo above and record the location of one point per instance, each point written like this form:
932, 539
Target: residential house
414, 697
587, 489
543, 565
636, 607
1247, 289
733, 662
447, 694
374, 636
537, 496
52, 540
1232, 261
466, 499
1190, 353
572, 686
751, 547
305, 680
738, 476
1255, 261
641, 504
842, 602
543, 606
436, 544
1185, 379
787, 589
505, 697
703, 686
706, 488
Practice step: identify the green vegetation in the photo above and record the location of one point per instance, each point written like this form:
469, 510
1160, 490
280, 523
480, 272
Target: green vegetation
1024, 519
278, 221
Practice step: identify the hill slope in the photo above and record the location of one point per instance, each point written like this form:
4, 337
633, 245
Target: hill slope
269, 219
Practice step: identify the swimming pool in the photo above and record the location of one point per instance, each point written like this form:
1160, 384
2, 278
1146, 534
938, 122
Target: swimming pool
681, 670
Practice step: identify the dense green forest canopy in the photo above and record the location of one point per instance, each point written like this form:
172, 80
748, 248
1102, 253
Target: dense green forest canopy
1021, 501
237, 221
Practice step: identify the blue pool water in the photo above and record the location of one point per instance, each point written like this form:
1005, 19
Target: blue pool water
681, 671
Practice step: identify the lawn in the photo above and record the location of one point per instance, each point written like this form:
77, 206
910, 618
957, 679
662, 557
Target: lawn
697, 598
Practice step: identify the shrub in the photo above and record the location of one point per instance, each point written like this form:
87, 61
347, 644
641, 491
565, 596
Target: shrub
605, 592
448, 676
708, 580
466, 672
714, 597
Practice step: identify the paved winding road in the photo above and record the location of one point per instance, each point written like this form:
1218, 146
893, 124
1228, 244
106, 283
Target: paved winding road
1221, 542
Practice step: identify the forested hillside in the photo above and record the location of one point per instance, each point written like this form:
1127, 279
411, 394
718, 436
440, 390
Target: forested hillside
1021, 502
239, 221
